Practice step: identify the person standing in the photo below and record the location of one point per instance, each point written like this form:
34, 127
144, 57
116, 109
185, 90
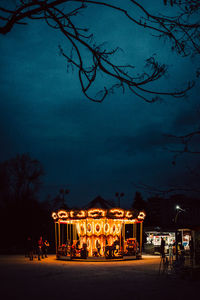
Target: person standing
45, 248
191, 245
40, 248
162, 248
170, 253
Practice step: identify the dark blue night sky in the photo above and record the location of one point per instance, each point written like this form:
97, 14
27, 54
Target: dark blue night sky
94, 148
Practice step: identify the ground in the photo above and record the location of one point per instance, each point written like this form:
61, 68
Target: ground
55, 279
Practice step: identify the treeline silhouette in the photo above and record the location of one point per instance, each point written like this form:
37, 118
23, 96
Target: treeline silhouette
161, 211
23, 214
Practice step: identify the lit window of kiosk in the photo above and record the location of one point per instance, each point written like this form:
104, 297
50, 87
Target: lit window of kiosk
153, 241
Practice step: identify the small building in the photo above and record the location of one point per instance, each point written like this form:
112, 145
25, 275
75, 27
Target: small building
153, 240
154, 235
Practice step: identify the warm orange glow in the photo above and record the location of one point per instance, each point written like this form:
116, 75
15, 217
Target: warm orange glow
129, 214
104, 226
71, 213
62, 214
141, 215
97, 228
54, 215
96, 212
88, 243
81, 214
118, 229
89, 228
116, 214
80, 228
119, 213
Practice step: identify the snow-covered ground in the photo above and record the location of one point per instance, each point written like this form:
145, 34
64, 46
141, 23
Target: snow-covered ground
54, 279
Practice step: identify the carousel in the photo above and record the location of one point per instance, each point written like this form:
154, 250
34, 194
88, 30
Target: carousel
98, 232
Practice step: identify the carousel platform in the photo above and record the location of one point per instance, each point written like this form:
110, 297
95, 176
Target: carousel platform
99, 259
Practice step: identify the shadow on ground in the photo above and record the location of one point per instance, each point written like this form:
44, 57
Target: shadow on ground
54, 279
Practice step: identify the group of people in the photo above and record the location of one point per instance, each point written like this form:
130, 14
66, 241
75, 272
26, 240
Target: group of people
74, 248
39, 250
180, 250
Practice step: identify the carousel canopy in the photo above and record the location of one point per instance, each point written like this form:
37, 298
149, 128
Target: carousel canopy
99, 213
99, 202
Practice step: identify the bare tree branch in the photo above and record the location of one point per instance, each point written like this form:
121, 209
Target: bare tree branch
185, 142
164, 190
179, 30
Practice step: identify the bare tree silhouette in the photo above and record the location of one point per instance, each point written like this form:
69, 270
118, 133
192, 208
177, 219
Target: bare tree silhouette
165, 190
180, 30
20, 179
186, 144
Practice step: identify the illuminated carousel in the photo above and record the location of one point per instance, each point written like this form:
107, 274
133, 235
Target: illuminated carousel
98, 233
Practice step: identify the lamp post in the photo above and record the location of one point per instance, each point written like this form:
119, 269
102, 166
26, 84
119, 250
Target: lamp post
119, 196
122, 234
178, 211
63, 192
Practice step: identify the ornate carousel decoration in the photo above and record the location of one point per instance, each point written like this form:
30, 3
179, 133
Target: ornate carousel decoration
97, 232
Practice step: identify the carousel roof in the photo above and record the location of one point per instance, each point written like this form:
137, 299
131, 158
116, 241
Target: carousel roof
99, 202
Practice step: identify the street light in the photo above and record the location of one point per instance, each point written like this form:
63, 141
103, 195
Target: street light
64, 192
178, 211
179, 208
119, 195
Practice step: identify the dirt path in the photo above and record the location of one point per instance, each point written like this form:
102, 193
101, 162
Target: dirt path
53, 279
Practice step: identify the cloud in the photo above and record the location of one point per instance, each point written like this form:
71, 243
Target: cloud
187, 120
145, 140
95, 148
